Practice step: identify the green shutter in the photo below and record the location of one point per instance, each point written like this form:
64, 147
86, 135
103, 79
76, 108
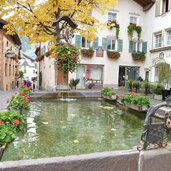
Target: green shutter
144, 47
120, 45
96, 44
104, 43
131, 46
157, 10
78, 41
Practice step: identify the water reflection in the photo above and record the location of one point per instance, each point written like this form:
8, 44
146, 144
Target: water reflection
61, 128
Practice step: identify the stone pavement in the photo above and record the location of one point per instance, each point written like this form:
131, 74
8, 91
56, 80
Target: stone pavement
4, 97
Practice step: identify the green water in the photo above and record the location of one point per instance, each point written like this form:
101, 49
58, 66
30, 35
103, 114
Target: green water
59, 128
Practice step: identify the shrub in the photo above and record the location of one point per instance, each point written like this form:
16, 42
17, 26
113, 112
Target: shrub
157, 89
107, 91
129, 84
74, 82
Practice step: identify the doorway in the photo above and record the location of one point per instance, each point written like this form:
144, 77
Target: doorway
127, 73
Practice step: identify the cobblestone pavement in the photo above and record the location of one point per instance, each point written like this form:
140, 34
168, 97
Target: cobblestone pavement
4, 97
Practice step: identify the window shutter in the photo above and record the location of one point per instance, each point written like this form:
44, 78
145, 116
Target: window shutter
96, 43
144, 47
131, 46
169, 5
158, 5
78, 41
104, 43
120, 45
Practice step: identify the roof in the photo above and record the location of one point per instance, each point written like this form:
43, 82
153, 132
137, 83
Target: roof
28, 57
146, 4
15, 37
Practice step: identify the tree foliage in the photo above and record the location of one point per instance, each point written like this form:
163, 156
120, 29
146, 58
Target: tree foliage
34, 18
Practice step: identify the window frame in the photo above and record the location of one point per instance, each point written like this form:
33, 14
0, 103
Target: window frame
137, 20
116, 44
112, 13
168, 42
86, 43
155, 40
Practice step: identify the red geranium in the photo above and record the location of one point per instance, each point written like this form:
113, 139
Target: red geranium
21, 93
132, 93
16, 122
1, 122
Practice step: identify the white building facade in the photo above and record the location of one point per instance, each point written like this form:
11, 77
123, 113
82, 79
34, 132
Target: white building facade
100, 69
29, 67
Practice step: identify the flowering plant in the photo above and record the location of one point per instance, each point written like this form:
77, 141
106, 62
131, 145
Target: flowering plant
66, 58
19, 102
133, 27
136, 99
113, 24
10, 123
24, 90
107, 91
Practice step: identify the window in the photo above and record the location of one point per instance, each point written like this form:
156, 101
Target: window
158, 39
9, 70
85, 43
5, 69
168, 37
112, 16
165, 6
135, 46
133, 20
111, 44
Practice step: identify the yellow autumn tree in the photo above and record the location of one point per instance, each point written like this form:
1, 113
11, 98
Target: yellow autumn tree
35, 18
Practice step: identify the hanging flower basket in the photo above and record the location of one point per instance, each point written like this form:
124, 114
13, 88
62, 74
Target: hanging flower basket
87, 52
66, 58
132, 28
138, 56
113, 54
113, 24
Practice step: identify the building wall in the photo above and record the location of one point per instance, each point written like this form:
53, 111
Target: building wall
8, 65
150, 24
124, 10
154, 24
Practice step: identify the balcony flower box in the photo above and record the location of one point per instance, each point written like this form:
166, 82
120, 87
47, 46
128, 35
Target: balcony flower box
138, 56
113, 54
87, 52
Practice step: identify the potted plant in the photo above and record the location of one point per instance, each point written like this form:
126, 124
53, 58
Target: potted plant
113, 24
90, 85
136, 84
146, 85
87, 52
133, 27
129, 84
73, 83
157, 91
109, 93
136, 102
113, 54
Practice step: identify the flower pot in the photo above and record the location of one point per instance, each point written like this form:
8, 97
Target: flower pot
113, 97
87, 53
157, 97
113, 54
